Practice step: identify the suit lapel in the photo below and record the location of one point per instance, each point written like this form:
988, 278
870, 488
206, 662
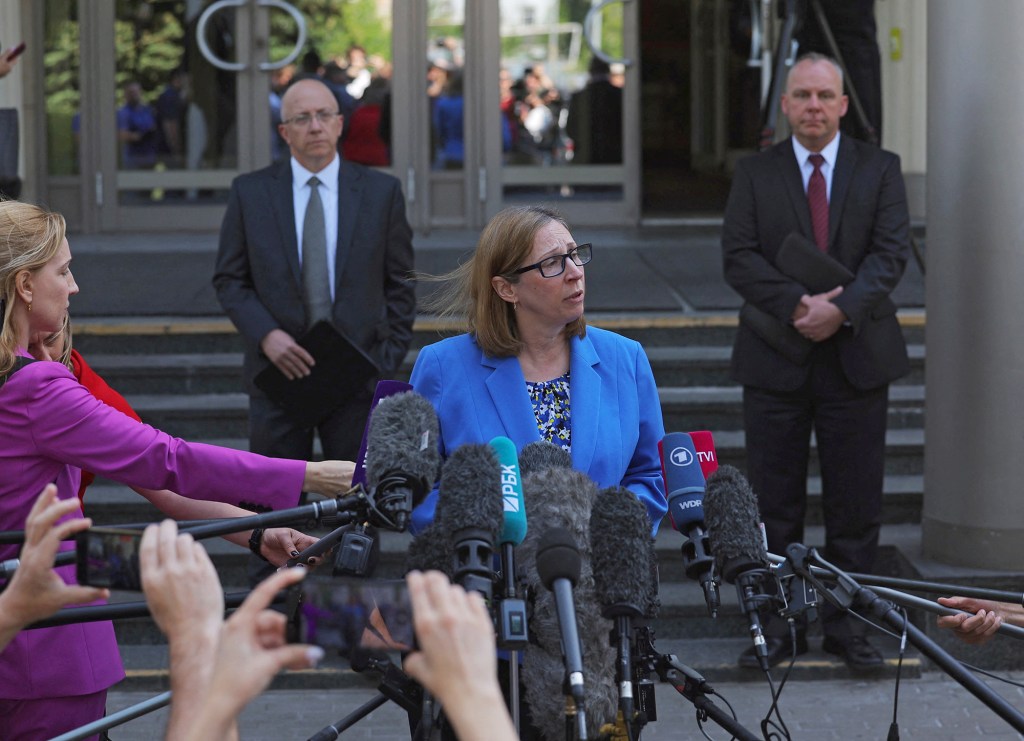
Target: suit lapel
350, 194
507, 388
585, 401
790, 171
283, 204
846, 162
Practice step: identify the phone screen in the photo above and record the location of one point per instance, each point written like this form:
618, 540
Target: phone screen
344, 613
15, 52
109, 557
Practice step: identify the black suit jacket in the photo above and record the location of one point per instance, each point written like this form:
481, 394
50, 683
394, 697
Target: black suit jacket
868, 233
259, 282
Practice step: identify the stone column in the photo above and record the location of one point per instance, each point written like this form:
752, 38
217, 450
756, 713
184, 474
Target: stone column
974, 461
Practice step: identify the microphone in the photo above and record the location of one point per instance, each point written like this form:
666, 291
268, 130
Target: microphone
541, 455
558, 565
685, 485
736, 541
620, 538
563, 497
402, 456
512, 632
384, 389
470, 511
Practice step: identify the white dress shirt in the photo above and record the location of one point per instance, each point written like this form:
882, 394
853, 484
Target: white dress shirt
328, 197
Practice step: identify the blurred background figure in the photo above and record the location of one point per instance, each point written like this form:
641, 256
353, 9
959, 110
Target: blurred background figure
136, 129
595, 118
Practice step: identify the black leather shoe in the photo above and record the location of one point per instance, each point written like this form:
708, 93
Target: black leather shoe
855, 650
779, 650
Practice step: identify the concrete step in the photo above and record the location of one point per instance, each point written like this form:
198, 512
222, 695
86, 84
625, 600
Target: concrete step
204, 415
149, 335
221, 372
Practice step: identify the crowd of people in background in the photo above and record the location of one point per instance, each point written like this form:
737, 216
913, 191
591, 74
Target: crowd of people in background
542, 124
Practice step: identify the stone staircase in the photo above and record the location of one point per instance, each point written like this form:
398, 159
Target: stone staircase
183, 376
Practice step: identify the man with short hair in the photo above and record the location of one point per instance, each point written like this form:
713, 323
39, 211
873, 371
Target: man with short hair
274, 286
845, 198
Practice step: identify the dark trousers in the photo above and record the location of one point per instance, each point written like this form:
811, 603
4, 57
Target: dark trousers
849, 426
273, 433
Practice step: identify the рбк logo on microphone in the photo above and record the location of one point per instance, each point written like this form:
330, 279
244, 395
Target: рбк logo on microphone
681, 457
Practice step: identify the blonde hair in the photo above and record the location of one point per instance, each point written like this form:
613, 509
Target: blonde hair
505, 243
29, 238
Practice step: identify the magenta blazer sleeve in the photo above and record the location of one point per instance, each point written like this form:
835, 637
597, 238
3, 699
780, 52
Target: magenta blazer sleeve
55, 419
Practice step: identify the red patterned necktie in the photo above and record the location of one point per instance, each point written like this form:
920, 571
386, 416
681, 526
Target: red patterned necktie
817, 199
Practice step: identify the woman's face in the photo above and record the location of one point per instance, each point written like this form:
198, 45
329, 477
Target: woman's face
52, 286
550, 302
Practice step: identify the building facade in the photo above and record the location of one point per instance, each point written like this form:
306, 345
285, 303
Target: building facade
135, 116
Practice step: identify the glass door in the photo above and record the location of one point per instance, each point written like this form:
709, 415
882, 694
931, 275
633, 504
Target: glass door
569, 104
153, 108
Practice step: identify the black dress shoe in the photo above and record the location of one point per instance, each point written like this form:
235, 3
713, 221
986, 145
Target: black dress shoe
854, 650
779, 650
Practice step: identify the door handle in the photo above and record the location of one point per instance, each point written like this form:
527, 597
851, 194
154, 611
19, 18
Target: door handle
588, 23
223, 64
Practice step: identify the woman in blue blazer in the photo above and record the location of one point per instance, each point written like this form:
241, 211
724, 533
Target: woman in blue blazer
530, 368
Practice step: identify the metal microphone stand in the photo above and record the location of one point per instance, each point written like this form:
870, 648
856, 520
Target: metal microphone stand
395, 685
848, 592
685, 681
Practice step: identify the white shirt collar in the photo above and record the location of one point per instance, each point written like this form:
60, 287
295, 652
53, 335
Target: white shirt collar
328, 176
830, 152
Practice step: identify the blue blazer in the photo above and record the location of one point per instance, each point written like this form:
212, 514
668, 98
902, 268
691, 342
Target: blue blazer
616, 422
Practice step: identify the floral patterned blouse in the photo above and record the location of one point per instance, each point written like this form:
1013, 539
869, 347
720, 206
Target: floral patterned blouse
551, 407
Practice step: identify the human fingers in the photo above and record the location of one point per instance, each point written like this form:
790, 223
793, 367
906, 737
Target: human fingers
269, 628
167, 545
45, 511
296, 656
149, 558
260, 597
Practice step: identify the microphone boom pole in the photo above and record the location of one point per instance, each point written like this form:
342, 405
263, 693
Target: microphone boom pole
848, 591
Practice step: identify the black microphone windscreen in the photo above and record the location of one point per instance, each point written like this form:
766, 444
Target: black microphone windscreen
403, 438
621, 552
431, 550
558, 557
540, 455
560, 496
732, 517
469, 495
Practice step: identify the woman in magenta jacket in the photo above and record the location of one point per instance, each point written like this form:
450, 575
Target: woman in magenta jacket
55, 679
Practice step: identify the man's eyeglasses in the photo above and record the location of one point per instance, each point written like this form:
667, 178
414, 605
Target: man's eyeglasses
305, 119
551, 267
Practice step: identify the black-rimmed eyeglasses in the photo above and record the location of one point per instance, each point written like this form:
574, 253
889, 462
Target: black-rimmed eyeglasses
551, 267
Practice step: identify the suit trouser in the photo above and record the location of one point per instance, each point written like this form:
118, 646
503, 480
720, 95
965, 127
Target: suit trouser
273, 433
849, 426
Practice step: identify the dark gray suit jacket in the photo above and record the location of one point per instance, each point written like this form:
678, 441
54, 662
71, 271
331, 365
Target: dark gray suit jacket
259, 282
868, 233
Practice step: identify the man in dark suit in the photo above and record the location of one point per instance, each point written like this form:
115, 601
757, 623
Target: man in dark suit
274, 285
848, 197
